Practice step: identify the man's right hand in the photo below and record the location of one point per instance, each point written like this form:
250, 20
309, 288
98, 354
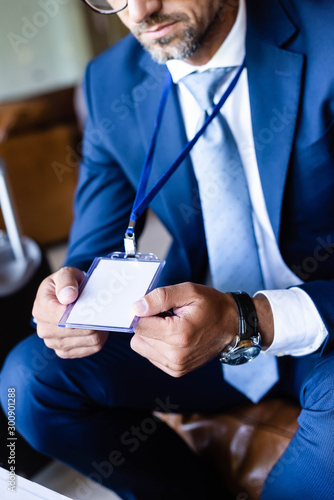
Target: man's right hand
54, 294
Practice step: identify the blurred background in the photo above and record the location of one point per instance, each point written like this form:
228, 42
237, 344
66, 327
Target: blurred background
45, 44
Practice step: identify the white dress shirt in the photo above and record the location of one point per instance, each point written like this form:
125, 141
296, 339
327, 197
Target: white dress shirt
298, 327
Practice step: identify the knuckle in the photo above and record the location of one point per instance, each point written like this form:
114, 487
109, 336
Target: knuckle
62, 354
65, 345
44, 284
48, 343
177, 373
63, 271
176, 358
191, 288
58, 344
40, 331
34, 311
162, 296
83, 333
64, 276
95, 339
95, 349
133, 340
188, 285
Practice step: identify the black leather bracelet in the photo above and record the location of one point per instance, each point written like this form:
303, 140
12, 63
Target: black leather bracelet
248, 323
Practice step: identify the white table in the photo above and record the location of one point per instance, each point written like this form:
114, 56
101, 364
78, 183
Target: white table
25, 489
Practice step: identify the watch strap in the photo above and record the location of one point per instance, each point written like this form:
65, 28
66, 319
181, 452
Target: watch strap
248, 323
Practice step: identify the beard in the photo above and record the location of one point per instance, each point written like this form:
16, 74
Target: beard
181, 45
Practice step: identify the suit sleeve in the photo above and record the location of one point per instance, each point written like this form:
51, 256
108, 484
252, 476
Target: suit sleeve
104, 195
322, 294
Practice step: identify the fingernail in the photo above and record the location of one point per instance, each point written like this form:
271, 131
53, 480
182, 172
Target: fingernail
140, 307
66, 293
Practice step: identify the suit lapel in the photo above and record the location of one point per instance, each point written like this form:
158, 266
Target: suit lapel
274, 77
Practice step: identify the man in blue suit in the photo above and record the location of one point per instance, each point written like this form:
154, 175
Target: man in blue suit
86, 397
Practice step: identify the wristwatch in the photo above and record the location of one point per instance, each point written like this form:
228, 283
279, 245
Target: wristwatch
247, 343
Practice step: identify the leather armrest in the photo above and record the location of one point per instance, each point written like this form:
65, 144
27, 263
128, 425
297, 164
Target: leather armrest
242, 444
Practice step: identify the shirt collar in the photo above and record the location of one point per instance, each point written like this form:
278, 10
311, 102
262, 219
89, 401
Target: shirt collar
230, 53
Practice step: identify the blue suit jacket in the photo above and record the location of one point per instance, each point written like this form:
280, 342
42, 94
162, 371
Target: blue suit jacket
290, 63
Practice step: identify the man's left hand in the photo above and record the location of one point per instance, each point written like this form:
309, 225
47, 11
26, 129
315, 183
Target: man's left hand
203, 322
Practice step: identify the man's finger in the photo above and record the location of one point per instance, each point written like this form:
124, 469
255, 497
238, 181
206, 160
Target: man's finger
157, 359
95, 339
80, 352
154, 327
145, 349
163, 299
48, 308
67, 282
51, 331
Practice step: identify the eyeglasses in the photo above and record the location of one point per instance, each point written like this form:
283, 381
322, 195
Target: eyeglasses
107, 6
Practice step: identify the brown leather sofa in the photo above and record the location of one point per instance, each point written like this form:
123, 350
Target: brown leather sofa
242, 444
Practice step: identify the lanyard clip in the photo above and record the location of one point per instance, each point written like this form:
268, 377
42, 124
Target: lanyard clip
130, 240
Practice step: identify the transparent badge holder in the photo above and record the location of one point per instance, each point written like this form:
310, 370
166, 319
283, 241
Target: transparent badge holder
112, 284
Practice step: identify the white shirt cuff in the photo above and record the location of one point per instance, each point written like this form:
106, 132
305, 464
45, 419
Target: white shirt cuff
298, 327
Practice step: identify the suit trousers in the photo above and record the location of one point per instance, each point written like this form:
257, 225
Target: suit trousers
95, 414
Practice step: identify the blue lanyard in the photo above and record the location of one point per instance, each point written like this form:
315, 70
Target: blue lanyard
142, 201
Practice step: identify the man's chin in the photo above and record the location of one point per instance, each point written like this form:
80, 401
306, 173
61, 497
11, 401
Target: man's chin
168, 48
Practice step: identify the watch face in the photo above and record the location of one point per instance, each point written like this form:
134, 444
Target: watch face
243, 355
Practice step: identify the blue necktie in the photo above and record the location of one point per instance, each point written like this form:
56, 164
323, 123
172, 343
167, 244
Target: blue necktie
227, 214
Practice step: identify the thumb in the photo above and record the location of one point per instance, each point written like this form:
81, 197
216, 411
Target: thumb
67, 282
161, 300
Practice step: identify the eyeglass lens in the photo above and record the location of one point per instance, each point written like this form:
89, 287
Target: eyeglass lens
107, 6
